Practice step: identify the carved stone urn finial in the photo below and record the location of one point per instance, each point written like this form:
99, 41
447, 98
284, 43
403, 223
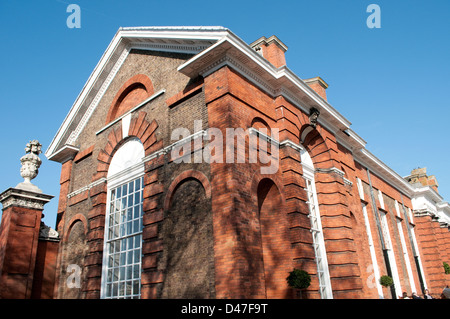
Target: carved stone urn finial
30, 165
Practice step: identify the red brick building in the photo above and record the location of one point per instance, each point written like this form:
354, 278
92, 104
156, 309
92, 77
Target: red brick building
155, 203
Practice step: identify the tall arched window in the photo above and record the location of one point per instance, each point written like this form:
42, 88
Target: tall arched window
316, 227
122, 253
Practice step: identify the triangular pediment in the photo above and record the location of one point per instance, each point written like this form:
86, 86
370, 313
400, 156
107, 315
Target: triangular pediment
188, 40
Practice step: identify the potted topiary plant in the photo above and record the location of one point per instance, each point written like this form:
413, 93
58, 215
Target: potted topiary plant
299, 280
446, 268
386, 281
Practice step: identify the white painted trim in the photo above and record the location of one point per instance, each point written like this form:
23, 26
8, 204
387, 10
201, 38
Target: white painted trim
360, 188
308, 175
291, 144
411, 217
277, 75
65, 153
154, 96
373, 256
87, 187
416, 248
391, 254
114, 44
406, 256
368, 160
380, 199
126, 121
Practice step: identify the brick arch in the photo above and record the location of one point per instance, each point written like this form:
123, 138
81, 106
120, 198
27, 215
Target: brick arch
189, 174
258, 123
141, 128
189, 224
255, 181
274, 225
71, 223
316, 146
266, 187
133, 91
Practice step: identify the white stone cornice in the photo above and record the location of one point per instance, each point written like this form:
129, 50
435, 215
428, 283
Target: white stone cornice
375, 165
87, 187
232, 51
291, 144
427, 202
336, 171
65, 153
23, 198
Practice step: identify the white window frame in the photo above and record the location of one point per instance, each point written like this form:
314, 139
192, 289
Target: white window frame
360, 188
411, 220
323, 272
391, 254
380, 199
416, 247
125, 167
406, 256
373, 256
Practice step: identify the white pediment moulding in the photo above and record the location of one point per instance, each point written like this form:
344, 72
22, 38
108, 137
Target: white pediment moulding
184, 39
74, 135
65, 153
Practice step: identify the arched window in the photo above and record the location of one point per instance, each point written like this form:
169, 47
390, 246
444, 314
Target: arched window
316, 227
122, 253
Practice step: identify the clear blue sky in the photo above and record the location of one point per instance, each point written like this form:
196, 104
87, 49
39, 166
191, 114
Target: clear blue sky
392, 83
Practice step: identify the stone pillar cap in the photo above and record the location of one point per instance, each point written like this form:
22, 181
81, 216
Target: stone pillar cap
24, 198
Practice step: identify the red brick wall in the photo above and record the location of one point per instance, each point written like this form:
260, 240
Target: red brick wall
251, 260
275, 241
45, 270
274, 54
19, 235
390, 194
234, 102
134, 91
433, 249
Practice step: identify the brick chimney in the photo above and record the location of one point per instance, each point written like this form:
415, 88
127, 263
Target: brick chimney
272, 49
318, 85
419, 175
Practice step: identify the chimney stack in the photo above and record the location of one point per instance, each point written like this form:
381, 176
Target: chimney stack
318, 85
272, 49
419, 175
